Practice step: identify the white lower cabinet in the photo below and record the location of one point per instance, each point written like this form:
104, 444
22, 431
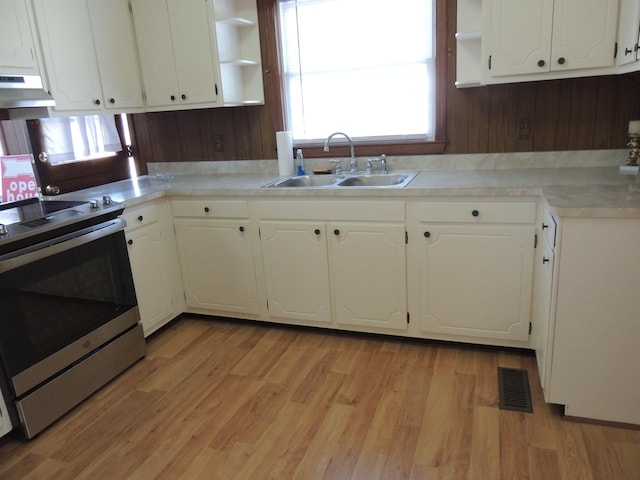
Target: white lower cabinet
474, 268
447, 269
154, 264
296, 269
368, 275
594, 323
541, 308
216, 257
344, 273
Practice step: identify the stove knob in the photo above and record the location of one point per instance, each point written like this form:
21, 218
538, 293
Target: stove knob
3, 229
94, 204
106, 200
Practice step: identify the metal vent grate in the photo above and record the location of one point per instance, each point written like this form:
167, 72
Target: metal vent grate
514, 390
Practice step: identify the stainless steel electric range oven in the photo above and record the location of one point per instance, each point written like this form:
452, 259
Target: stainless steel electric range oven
69, 319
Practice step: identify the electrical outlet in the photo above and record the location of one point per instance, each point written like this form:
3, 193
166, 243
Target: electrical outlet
218, 146
524, 128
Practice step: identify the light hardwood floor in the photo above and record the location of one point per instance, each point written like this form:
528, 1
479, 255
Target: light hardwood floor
217, 399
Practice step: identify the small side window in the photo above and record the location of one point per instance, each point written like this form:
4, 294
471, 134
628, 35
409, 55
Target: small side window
74, 153
79, 138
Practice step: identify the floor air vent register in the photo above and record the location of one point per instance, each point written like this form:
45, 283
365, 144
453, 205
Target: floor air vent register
514, 392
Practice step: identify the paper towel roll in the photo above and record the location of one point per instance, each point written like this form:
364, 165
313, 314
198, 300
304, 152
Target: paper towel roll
284, 143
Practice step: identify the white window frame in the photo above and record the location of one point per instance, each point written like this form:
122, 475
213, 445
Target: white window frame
375, 107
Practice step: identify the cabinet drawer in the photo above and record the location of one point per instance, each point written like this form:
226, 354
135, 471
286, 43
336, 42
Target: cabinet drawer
204, 208
140, 215
477, 212
352, 210
548, 229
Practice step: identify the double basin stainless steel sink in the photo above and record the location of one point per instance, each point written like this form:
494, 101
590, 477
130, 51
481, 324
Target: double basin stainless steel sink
373, 180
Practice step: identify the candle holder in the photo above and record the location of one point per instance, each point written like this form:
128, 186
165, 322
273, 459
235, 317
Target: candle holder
634, 143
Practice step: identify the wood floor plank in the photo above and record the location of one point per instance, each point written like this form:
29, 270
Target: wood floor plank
399, 462
300, 439
544, 463
514, 446
437, 420
573, 455
370, 464
455, 459
485, 444
272, 443
221, 399
321, 450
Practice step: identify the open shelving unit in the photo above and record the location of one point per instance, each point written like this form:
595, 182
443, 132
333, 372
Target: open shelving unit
238, 40
469, 43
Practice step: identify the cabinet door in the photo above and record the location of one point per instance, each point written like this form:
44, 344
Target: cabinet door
296, 270
520, 36
153, 33
584, 34
193, 42
116, 52
541, 309
475, 281
216, 261
368, 274
151, 275
594, 370
17, 55
628, 27
176, 51
69, 56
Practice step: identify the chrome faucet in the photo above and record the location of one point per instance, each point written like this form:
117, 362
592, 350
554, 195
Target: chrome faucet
383, 164
352, 161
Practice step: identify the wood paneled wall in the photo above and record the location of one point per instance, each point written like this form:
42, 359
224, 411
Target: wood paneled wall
573, 114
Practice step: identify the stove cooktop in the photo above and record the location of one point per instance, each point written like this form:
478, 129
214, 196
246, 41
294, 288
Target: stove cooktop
25, 221
31, 210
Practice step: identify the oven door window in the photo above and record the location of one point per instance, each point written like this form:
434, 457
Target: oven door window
52, 302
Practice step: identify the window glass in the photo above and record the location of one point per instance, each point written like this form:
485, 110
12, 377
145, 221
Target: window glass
365, 67
79, 138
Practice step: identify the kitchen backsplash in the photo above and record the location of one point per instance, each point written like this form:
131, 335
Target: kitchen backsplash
485, 161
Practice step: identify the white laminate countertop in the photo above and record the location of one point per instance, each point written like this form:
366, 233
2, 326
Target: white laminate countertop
569, 192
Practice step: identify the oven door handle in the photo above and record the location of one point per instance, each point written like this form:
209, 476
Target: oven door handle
63, 243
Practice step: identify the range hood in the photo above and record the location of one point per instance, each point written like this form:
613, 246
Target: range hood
23, 96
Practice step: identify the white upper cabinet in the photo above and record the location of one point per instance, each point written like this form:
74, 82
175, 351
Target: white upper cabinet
89, 67
17, 53
178, 57
520, 36
539, 36
116, 53
628, 32
584, 34
527, 40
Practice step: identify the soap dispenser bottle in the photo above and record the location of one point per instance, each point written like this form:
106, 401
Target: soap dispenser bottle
300, 162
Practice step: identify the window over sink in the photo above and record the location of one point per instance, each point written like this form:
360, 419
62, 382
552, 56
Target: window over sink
359, 66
